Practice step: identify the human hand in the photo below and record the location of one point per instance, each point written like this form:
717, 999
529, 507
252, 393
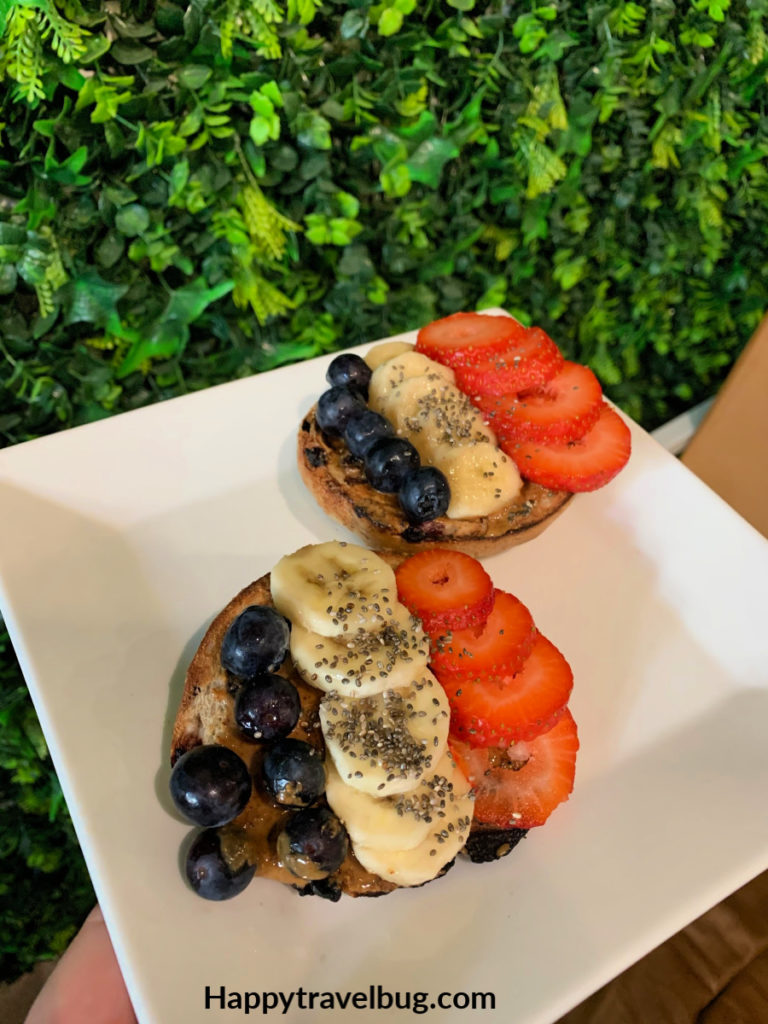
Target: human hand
86, 984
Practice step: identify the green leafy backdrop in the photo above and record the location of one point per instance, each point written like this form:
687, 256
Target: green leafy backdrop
195, 192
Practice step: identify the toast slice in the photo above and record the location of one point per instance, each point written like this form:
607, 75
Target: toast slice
336, 480
206, 715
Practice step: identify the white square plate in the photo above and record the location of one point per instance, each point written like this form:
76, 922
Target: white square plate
120, 540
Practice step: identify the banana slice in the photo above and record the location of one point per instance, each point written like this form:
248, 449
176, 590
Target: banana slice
432, 412
387, 378
334, 588
385, 744
365, 662
481, 477
380, 353
391, 822
448, 833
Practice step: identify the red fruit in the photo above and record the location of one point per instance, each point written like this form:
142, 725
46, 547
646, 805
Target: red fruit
463, 337
520, 786
532, 358
564, 408
495, 713
448, 590
498, 648
582, 465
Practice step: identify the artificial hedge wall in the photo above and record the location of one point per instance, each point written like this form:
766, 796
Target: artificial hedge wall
194, 192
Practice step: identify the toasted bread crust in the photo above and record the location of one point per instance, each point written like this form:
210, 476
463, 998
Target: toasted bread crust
206, 715
336, 480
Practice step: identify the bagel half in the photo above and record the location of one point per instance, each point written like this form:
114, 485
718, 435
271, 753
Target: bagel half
206, 715
336, 480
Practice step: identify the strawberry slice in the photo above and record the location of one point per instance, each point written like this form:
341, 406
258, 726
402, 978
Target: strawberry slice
532, 358
564, 408
582, 465
491, 713
520, 786
463, 337
446, 589
498, 648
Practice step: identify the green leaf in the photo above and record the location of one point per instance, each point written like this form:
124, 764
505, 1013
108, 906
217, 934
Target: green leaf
390, 21
109, 250
8, 279
187, 304
396, 182
349, 204
423, 129
191, 123
92, 299
426, 163
170, 334
259, 130
313, 130
130, 53
44, 127
354, 24
343, 230
194, 76
95, 47
163, 340
317, 230
179, 176
272, 91
132, 219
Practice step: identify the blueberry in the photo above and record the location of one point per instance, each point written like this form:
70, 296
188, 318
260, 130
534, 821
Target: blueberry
424, 494
294, 773
334, 408
210, 785
313, 844
364, 429
267, 707
256, 642
350, 370
388, 462
208, 872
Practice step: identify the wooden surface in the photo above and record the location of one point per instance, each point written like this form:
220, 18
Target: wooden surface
729, 451
715, 971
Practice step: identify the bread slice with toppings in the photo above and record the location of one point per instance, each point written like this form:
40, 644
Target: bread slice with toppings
206, 715
336, 480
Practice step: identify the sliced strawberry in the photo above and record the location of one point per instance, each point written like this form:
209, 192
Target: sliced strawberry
532, 358
564, 408
495, 713
520, 786
447, 589
463, 337
582, 465
498, 648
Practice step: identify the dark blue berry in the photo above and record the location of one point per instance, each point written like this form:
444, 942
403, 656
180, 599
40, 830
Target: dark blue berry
350, 370
267, 707
388, 462
313, 844
209, 874
334, 408
424, 495
210, 785
294, 773
364, 429
256, 642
